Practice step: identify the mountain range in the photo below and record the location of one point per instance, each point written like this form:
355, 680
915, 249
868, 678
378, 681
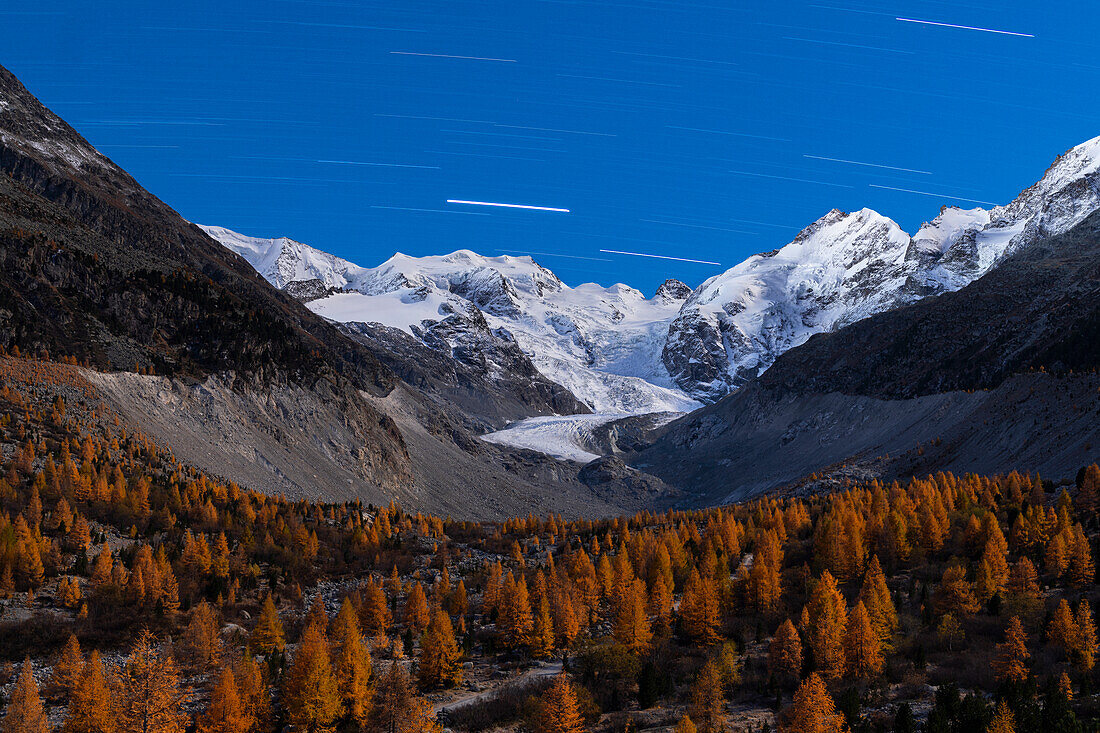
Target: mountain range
485, 386
620, 352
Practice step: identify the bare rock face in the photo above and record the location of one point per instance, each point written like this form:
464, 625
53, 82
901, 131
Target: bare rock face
307, 290
610, 476
95, 267
672, 289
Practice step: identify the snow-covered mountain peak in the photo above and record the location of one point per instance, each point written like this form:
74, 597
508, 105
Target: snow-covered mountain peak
934, 238
282, 260
847, 266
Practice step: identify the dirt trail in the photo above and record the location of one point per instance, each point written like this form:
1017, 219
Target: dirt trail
466, 698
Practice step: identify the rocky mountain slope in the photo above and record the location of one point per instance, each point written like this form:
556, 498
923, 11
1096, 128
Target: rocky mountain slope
847, 266
184, 339
996, 376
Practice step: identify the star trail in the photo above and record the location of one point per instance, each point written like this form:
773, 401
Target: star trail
690, 134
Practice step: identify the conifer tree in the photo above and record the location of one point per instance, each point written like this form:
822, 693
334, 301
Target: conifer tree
1082, 571
150, 695
26, 713
542, 633
1062, 631
558, 709
708, 700
309, 693
226, 713
374, 614
28, 560
417, 613
103, 567
954, 594
876, 598
1085, 646
352, 665
91, 704
566, 623
457, 602
632, 628
252, 692
515, 620
397, 709
439, 653
201, 642
862, 645
1010, 664
1022, 590
66, 673
699, 609
1003, 720
268, 635
785, 654
686, 726
813, 710
827, 621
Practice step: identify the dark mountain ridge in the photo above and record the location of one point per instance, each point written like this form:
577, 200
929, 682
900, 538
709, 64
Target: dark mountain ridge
186, 341
997, 376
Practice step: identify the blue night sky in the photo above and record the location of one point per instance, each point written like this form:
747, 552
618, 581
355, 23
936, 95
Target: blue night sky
702, 130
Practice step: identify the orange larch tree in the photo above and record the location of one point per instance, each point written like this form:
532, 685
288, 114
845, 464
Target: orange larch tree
785, 654
26, 713
862, 645
813, 710
1010, 664
827, 620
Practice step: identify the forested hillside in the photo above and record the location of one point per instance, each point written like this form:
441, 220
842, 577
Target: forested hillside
140, 594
